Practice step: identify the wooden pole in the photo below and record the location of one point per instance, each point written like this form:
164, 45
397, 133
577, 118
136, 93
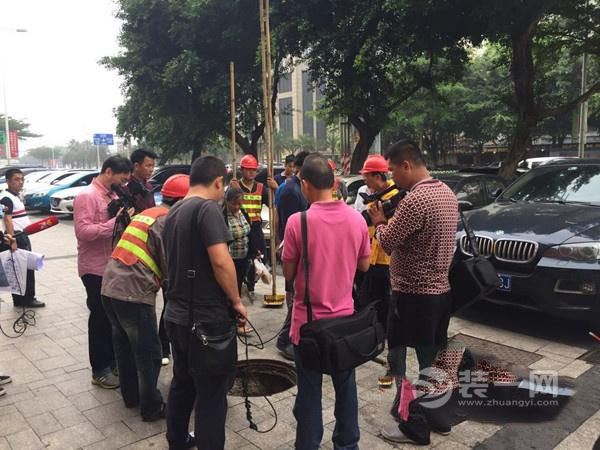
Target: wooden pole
232, 91
265, 47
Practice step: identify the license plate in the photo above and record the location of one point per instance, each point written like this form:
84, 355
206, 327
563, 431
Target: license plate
505, 282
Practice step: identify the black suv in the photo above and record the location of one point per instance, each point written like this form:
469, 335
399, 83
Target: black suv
542, 235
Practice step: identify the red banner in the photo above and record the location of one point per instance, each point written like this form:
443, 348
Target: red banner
14, 145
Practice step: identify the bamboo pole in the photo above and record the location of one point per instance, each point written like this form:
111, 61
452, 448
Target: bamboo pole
233, 144
265, 47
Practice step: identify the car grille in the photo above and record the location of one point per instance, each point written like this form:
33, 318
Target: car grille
485, 245
507, 250
515, 251
55, 202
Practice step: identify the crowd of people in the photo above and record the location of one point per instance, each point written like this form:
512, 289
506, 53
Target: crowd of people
199, 246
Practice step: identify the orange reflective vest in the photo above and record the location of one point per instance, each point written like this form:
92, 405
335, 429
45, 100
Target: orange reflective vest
133, 245
252, 203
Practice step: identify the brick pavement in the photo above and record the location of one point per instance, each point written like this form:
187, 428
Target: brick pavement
52, 403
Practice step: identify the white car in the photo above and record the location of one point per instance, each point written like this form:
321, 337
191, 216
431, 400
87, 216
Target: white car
50, 178
62, 201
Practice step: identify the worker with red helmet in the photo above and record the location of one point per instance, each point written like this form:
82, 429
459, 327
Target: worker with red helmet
255, 195
131, 280
375, 283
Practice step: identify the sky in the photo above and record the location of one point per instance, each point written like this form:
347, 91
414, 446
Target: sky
53, 79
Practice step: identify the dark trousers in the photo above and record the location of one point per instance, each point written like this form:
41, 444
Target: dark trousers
100, 343
241, 267
137, 351
162, 331
309, 413
283, 340
205, 394
256, 245
24, 243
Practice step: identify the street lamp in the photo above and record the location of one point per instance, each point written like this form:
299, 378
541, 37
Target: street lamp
6, 125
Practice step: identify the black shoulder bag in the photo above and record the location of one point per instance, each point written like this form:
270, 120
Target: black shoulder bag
473, 278
342, 343
210, 353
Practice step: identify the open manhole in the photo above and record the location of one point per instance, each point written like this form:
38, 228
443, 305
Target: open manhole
264, 377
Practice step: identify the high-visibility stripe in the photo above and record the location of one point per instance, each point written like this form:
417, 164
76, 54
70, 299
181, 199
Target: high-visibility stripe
141, 255
144, 219
143, 236
252, 206
253, 197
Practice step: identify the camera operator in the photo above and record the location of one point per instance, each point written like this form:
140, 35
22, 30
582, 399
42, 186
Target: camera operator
420, 237
139, 188
375, 283
94, 231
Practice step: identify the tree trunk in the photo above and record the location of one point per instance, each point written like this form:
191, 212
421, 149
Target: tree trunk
518, 149
367, 136
523, 76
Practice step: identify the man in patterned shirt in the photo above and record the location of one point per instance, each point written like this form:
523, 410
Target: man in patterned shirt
421, 239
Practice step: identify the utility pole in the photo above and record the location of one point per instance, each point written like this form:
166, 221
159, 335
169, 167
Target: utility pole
583, 109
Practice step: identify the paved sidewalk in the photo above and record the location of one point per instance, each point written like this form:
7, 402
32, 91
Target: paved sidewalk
51, 402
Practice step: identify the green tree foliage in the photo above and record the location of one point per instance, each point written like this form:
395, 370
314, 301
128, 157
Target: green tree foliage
45, 154
369, 57
476, 109
83, 155
22, 127
537, 33
176, 70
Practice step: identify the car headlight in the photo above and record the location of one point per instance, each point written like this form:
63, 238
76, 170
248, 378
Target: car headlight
582, 251
69, 198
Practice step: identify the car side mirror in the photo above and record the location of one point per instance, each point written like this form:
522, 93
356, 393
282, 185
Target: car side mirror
463, 206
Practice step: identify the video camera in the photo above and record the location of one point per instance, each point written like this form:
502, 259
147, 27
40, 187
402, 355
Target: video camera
389, 205
124, 201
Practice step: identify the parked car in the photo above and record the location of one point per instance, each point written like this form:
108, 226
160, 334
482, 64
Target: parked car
542, 235
478, 188
531, 163
61, 202
31, 173
162, 174
39, 199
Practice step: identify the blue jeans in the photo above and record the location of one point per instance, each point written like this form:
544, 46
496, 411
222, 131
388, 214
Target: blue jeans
309, 414
137, 351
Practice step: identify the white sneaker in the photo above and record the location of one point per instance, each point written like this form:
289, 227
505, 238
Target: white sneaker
164, 361
392, 433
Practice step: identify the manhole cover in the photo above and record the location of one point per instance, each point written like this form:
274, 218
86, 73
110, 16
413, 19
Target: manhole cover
509, 355
264, 377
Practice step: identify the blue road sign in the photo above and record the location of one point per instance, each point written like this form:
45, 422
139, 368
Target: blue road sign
103, 139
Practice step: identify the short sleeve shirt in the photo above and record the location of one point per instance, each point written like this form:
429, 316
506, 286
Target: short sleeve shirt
337, 240
191, 227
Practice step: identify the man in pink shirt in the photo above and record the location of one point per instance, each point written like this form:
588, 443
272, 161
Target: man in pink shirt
338, 245
94, 232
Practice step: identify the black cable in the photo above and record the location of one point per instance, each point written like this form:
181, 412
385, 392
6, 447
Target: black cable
27, 316
245, 376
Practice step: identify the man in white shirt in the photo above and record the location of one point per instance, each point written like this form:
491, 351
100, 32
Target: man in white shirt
15, 220
359, 203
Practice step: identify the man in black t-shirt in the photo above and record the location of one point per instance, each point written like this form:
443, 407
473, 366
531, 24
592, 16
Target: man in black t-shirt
195, 237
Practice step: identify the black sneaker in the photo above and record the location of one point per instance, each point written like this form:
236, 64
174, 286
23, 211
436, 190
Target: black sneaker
33, 303
287, 351
157, 415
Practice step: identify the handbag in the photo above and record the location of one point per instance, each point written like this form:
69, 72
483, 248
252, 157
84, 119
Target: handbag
473, 278
335, 345
210, 352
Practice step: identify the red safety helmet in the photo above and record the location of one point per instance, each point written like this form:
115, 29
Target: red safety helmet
375, 164
176, 186
248, 162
